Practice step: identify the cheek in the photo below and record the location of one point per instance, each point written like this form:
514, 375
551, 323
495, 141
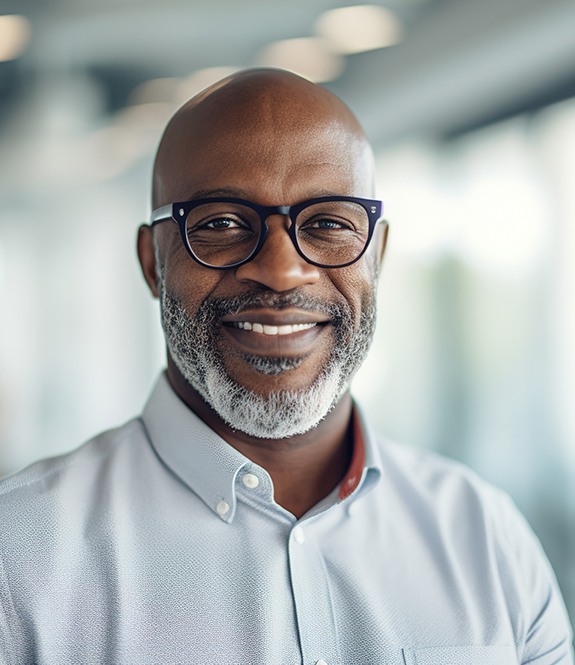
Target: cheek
188, 281
357, 284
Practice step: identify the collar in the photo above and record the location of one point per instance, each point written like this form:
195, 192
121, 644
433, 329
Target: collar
353, 476
212, 468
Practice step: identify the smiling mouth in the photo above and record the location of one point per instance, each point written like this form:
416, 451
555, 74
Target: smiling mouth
265, 329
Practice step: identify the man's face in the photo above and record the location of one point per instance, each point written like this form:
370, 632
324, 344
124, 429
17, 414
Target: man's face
272, 345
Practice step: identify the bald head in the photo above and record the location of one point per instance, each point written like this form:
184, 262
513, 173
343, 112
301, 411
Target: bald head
267, 116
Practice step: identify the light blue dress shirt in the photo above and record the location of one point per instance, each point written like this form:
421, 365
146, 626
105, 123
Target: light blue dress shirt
158, 543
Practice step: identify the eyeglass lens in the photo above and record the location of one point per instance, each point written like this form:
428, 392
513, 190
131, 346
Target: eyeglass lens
330, 233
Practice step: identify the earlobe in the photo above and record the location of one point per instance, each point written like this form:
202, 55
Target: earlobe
147, 257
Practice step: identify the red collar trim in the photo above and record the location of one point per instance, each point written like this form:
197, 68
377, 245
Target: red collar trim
353, 475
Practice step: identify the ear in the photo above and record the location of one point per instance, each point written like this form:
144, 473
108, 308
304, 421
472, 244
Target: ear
147, 258
380, 242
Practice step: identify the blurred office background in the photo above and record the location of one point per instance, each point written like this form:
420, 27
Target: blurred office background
471, 109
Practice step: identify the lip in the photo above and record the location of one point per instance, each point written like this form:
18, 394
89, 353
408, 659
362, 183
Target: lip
295, 344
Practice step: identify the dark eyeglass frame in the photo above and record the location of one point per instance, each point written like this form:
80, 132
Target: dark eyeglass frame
179, 211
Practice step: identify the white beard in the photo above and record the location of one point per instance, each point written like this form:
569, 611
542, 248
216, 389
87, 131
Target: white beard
193, 346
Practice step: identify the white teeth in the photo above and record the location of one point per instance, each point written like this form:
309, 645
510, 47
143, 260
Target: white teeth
274, 330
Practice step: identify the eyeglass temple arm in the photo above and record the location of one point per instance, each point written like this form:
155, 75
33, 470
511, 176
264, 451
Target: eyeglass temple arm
161, 214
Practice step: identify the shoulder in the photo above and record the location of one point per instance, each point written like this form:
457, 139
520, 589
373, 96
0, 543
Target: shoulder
48, 476
454, 502
436, 478
47, 511
478, 529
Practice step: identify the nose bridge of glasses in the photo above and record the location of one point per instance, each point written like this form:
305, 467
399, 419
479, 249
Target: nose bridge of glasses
274, 211
283, 222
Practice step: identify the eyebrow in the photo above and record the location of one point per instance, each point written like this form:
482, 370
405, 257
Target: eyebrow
242, 194
220, 191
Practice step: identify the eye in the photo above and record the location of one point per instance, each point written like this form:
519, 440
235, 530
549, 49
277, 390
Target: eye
223, 223
327, 224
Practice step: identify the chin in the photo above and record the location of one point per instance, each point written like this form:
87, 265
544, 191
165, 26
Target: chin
263, 375
272, 407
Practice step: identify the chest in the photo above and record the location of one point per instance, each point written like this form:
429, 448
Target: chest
189, 588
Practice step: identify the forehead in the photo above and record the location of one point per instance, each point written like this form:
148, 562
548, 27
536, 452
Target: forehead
279, 144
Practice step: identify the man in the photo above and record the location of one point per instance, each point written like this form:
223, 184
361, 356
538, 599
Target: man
250, 515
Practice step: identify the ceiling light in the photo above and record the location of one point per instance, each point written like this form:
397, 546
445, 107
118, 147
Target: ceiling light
309, 57
359, 28
202, 79
14, 36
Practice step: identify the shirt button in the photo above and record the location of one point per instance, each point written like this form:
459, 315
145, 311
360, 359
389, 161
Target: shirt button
321, 661
251, 481
299, 535
222, 508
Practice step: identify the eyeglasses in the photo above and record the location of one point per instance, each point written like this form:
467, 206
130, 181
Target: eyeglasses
329, 232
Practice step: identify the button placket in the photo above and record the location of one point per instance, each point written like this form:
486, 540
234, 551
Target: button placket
314, 611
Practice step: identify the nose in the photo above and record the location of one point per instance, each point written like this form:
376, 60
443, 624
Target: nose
278, 266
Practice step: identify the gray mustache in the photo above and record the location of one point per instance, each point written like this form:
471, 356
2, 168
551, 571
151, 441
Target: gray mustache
271, 300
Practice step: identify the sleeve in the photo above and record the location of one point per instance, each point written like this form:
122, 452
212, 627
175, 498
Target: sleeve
11, 646
536, 606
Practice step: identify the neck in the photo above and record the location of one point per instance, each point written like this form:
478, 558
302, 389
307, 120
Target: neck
304, 468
